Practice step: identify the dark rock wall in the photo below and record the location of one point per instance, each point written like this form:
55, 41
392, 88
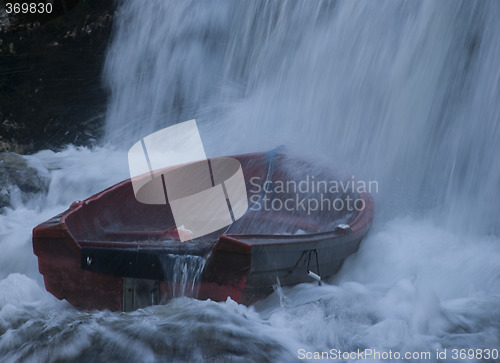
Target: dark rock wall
51, 92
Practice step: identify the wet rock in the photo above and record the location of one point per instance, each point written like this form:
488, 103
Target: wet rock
17, 177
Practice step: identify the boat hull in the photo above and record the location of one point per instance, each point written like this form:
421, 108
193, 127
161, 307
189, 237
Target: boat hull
124, 270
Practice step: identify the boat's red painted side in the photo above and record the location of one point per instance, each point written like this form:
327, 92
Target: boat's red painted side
59, 263
58, 244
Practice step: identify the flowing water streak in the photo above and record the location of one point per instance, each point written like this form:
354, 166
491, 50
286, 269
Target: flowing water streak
185, 272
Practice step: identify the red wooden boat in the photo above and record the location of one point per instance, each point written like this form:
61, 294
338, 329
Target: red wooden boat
112, 252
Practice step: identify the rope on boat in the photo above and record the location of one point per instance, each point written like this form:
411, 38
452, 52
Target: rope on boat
307, 254
270, 159
315, 276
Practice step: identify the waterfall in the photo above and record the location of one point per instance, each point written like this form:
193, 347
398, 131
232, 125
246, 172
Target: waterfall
405, 93
402, 92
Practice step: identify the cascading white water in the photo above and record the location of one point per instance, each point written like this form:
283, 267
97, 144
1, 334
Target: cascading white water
186, 273
405, 93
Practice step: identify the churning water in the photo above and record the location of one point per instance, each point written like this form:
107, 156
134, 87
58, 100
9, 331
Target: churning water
405, 93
